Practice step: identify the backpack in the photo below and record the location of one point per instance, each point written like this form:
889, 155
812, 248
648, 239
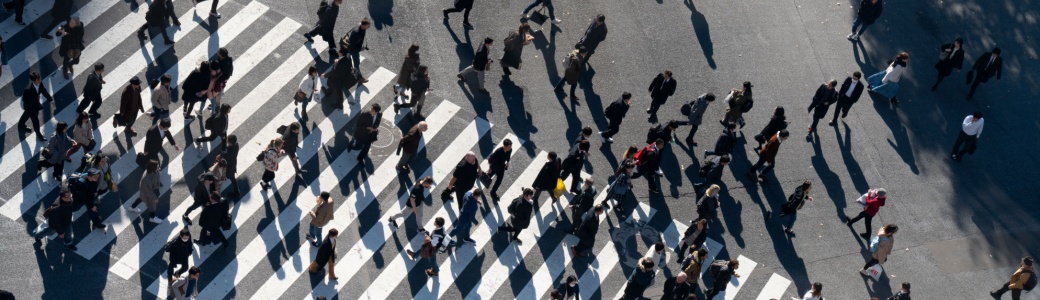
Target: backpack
639, 155
1030, 282
210, 122
686, 108
281, 129
512, 205
716, 267
260, 157
322, 7
705, 168
748, 105
652, 134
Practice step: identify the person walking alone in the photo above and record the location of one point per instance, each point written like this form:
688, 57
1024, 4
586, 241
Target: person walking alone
184, 287
56, 153
416, 199
71, 44
869, 11
327, 14
873, 200
481, 62
321, 215
326, 256
520, 211
849, 93
662, 87
205, 186
514, 46
129, 105
161, 97
31, 105
156, 16
1018, 280
737, 103
180, 249
420, 85
19, 8
573, 164
59, 221
615, 113
821, 102
880, 247
545, 3
290, 143
697, 108
355, 42
366, 130
988, 64
340, 79
647, 162
814, 293
693, 239
153, 141
547, 177
498, 163
794, 203
573, 64
92, 91
596, 33
217, 125
460, 5
951, 56
270, 161
211, 219
767, 155
886, 83
404, 77
409, 145
463, 178
148, 190
640, 279
467, 215
971, 130
776, 123
308, 90
587, 231
721, 272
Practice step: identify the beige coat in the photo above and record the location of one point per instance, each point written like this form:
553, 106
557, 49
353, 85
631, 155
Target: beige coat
884, 249
161, 97
149, 190
322, 214
83, 134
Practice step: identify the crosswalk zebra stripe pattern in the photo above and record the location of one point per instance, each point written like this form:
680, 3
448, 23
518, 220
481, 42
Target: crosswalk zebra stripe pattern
282, 280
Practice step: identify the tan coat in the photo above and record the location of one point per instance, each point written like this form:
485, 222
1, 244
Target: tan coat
322, 214
161, 97
884, 249
83, 134
1018, 280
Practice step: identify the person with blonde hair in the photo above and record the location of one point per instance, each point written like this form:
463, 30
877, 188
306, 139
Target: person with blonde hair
708, 205
641, 278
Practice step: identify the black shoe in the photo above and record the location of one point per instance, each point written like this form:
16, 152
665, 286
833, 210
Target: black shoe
308, 37
186, 220
831, 123
99, 227
71, 247
995, 295
445, 13
176, 22
469, 240
39, 137
46, 36
38, 240
864, 235
168, 42
397, 108
393, 223
467, 24
789, 232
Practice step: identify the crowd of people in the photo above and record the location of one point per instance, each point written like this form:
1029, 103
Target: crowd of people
93, 177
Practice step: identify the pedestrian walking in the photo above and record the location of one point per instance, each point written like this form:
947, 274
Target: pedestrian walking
327, 14
366, 130
471, 203
148, 193
321, 215
677, 288
217, 125
326, 256
339, 80
618, 190
92, 91
99, 161
162, 97
230, 154
708, 204
31, 105
821, 102
56, 153
814, 293
988, 64
903, 293
19, 7
156, 16
460, 5
849, 93
84, 192
213, 216
59, 221
693, 238
463, 178
180, 249
712, 171
227, 69
647, 162
886, 83
354, 42
725, 142
573, 164
873, 200
129, 105
219, 171
971, 130
213, 10
290, 143
641, 278
270, 160
186, 286
545, 3
767, 155
404, 77
628, 158
309, 89
195, 88
738, 102
615, 113
60, 12
721, 271
568, 289
416, 198
691, 265
951, 56
520, 211
776, 123
548, 176
213, 88
880, 247
153, 141
697, 107
596, 33
481, 62
572, 71
662, 87
582, 203
869, 11
586, 232
82, 136
71, 46
513, 46
409, 145
790, 209
428, 248
498, 163
201, 194
420, 84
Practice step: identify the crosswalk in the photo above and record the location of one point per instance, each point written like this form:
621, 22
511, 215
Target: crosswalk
268, 257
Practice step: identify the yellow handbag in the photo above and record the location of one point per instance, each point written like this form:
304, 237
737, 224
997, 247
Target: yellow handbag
560, 187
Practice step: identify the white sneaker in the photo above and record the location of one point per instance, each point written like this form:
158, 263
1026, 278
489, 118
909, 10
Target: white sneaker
155, 220
525, 15
557, 20
610, 140
659, 172
215, 15
864, 272
137, 210
850, 37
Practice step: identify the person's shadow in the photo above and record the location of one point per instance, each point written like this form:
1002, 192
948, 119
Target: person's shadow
381, 12
701, 29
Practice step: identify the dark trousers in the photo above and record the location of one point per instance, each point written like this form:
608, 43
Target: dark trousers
693, 131
962, 139
267, 177
355, 58
712, 292
18, 6
656, 103
841, 107
335, 90
465, 15
316, 31
560, 83
575, 178
1015, 293
939, 79
761, 162
975, 84
546, 3
234, 183
862, 215
59, 168
193, 207
215, 235
613, 127
576, 216
93, 104
651, 177
213, 135
213, 7
498, 173
173, 264
815, 122
509, 228
360, 145
95, 217
162, 30
31, 115
538, 193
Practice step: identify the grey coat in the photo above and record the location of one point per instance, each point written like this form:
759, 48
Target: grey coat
697, 109
149, 190
59, 144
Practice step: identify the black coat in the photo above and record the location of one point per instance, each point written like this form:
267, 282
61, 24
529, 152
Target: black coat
520, 217
499, 159
464, 4
31, 98
954, 61
660, 89
822, 100
616, 111
291, 141
575, 159
84, 191
869, 11
589, 227
72, 40
231, 155
465, 175
62, 10
227, 68
326, 252
775, 124
480, 59
196, 82
649, 161
157, 14
410, 141
984, 73
365, 121
593, 36
92, 90
179, 250
342, 73
60, 218
547, 176
213, 215
356, 42
676, 291
153, 139
327, 21
856, 92
707, 207
724, 144
201, 192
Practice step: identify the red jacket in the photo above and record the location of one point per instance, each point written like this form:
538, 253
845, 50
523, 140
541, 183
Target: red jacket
874, 204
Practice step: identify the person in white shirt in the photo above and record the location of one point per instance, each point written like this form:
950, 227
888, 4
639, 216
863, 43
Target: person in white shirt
816, 293
310, 88
971, 130
886, 83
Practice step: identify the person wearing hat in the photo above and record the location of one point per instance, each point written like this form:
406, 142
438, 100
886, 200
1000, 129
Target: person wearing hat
950, 57
1018, 280
573, 62
202, 190
989, 64
129, 105
481, 61
874, 199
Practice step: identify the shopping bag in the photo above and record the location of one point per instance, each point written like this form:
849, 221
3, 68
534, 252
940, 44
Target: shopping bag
862, 200
560, 188
875, 271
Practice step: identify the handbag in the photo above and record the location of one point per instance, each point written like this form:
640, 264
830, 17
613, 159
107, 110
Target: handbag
875, 271
485, 179
538, 17
300, 96
560, 188
226, 224
862, 200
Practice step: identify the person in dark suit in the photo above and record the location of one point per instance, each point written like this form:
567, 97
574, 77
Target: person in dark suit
92, 91
230, 154
869, 11
582, 203
31, 105
217, 125
988, 64
461, 5
587, 232
821, 102
200, 194
951, 56
520, 211
211, 218
326, 23
156, 16
340, 79
547, 176
594, 34
724, 144
291, 142
849, 93
615, 113
59, 221
768, 155
19, 8
356, 43
153, 139
409, 145
498, 163
481, 61
326, 255
71, 45
180, 249
366, 130
195, 88
660, 89
573, 164
676, 288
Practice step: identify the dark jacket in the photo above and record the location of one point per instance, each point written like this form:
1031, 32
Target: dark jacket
869, 11
616, 111
593, 36
822, 100
153, 139
365, 121
566, 291
60, 218
673, 291
480, 59
547, 176
72, 40
855, 92
794, 202
575, 159
984, 73
513, 50
469, 208
201, 191
404, 76
464, 4
326, 252
660, 89
721, 281
589, 227
179, 250
291, 141
499, 158
92, 90
708, 207
62, 10
724, 144
213, 214
776, 124
954, 61
410, 142
156, 15
341, 74
638, 282
327, 21
356, 41
520, 217
573, 70
584, 201
130, 104
217, 123
715, 173
231, 155
649, 160
31, 98
196, 82
227, 68
465, 174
